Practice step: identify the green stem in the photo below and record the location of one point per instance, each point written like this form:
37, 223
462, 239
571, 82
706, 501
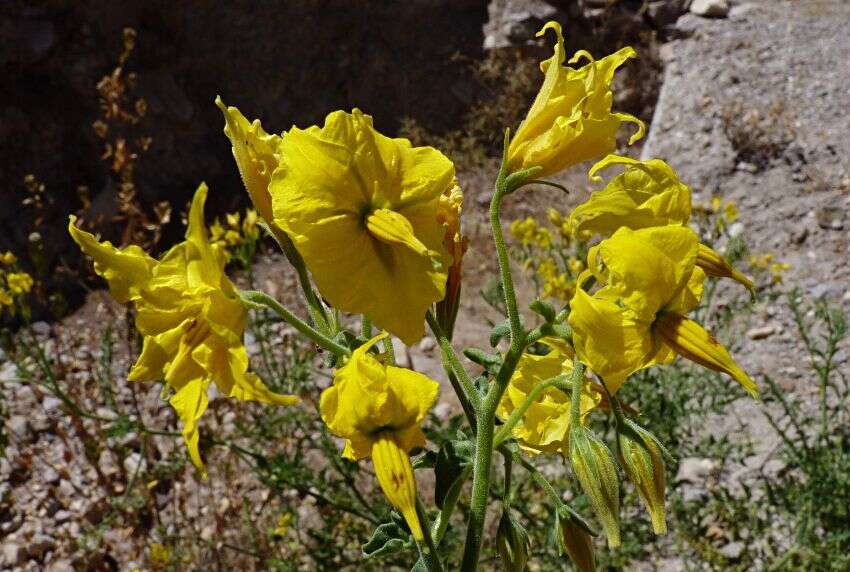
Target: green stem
255, 298
389, 350
505, 431
429, 553
501, 249
577, 381
314, 305
366, 327
466, 392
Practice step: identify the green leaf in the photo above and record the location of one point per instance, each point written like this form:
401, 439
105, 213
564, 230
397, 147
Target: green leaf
498, 332
546, 310
452, 459
388, 538
482, 358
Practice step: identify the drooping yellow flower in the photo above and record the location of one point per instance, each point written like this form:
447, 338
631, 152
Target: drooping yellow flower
377, 409
190, 316
19, 282
570, 120
362, 209
256, 154
448, 215
645, 194
545, 426
637, 319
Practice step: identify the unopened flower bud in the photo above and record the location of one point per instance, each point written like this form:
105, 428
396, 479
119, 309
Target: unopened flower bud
691, 341
642, 458
512, 542
395, 475
715, 265
577, 543
596, 470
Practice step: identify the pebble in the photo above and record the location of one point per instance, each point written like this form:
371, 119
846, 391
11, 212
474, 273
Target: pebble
13, 553
761, 332
733, 550
695, 469
710, 8
19, 426
51, 404
62, 516
427, 344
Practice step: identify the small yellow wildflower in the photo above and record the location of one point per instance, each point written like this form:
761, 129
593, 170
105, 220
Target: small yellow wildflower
283, 523
377, 409
555, 218
570, 120
232, 237
233, 220
19, 283
777, 270
576, 265
545, 427
249, 225
637, 319
191, 318
362, 210
760, 261
730, 211
5, 299
524, 230
7, 258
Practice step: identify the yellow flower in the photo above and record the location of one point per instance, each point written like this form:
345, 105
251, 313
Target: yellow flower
19, 282
377, 410
362, 209
730, 211
570, 120
524, 230
256, 154
645, 194
191, 318
249, 225
777, 270
5, 299
545, 426
543, 238
232, 237
637, 319
233, 220
7, 258
554, 217
448, 215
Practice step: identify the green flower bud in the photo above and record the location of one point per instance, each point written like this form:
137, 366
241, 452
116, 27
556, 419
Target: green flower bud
596, 470
642, 458
512, 542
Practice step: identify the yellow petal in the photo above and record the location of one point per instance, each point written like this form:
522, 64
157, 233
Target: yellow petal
395, 475
691, 341
645, 194
610, 340
204, 265
255, 152
126, 270
234, 380
190, 402
157, 352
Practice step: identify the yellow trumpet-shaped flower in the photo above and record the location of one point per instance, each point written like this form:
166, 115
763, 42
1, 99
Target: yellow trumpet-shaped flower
570, 120
645, 194
256, 154
651, 281
190, 316
545, 426
377, 409
363, 211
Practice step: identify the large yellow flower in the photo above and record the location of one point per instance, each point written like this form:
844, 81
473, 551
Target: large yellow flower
571, 120
362, 209
256, 154
545, 426
645, 194
377, 409
637, 318
190, 316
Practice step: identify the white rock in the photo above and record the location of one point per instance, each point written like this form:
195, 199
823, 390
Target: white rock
761, 332
19, 427
710, 8
427, 344
13, 553
51, 403
696, 469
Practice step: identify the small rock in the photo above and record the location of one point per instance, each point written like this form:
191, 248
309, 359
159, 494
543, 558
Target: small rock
39, 545
208, 533
50, 476
133, 462
60, 566
695, 469
13, 553
9, 373
830, 218
427, 344
62, 516
442, 410
746, 167
800, 236
41, 328
733, 550
51, 404
736, 229
710, 8
846, 296
761, 332
19, 426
